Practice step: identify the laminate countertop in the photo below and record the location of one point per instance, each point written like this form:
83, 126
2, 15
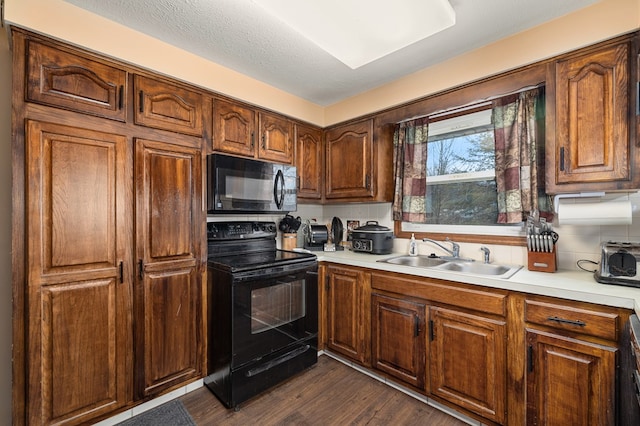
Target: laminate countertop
573, 285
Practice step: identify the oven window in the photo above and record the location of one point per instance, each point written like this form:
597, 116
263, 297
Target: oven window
276, 305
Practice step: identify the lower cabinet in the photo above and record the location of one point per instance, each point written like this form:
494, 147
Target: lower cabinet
398, 342
571, 362
569, 382
498, 356
348, 298
468, 361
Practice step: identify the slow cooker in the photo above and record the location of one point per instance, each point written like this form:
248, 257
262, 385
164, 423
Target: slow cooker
372, 238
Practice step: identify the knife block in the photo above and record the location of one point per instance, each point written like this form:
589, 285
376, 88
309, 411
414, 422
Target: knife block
541, 261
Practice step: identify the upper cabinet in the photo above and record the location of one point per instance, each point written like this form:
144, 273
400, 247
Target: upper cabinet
309, 162
590, 132
234, 128
276, 138
72, 81
167, 106
358, 166
234, 132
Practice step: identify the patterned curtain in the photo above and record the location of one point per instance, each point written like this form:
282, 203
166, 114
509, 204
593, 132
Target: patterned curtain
410, 170
519, 146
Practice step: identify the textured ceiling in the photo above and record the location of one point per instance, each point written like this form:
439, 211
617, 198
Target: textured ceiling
240, 35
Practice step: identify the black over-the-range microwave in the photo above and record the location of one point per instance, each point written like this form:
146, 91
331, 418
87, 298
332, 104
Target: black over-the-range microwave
241, 185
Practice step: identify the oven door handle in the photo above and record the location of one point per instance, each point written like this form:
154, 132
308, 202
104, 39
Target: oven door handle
277, 361
278, 196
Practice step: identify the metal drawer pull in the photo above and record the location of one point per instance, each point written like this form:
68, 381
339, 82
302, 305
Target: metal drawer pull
566, 321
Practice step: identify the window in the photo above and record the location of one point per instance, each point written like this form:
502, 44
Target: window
461, 187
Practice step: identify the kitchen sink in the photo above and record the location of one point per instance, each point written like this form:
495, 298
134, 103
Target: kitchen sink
455, 265
477, 268
420, 261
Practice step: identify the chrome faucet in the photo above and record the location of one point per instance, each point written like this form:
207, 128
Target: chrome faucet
455, 247
487, 253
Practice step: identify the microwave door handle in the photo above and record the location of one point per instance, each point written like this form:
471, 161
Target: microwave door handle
278, 196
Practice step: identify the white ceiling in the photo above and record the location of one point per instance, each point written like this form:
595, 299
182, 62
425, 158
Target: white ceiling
240, 35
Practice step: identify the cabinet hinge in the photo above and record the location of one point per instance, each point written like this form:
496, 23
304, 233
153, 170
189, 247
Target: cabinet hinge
530, 359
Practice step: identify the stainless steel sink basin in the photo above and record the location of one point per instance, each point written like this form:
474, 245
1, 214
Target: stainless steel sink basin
477, 268
419, 261
458, 266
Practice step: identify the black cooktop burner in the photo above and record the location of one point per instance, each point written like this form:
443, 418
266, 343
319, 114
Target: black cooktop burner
243, 246
246, 261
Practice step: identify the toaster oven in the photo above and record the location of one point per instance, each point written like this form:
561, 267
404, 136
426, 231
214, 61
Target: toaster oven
619, 263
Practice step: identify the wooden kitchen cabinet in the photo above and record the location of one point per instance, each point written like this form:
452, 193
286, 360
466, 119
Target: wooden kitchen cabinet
166, 106
571, 362
276, 138
398, 338
108, 238
241, 130
358, 168
78, 257
348, 304
168, 303
569, 382
82, 83
590, 119
468, 361
309, 162
234, 128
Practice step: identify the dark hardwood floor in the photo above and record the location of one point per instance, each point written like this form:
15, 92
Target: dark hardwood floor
330, 393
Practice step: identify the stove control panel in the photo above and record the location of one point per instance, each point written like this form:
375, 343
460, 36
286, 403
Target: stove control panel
217, 231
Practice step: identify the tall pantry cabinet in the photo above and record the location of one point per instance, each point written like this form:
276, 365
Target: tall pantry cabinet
107, 234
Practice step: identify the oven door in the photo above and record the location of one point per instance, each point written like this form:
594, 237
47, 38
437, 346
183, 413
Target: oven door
273, 309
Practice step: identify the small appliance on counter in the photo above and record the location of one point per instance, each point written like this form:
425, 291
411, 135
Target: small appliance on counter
316, 236
372, 238
619, 264
337, 231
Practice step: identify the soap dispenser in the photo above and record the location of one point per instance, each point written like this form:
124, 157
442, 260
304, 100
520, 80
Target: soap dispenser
413, 246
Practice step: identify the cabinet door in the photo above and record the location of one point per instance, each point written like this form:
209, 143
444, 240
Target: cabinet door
166, 106
398, 339
309, 162
168, 291
347, 304
78, 273
468, 362
233, 128
349, 161
569, 382
276, 139
82, 84
592, 130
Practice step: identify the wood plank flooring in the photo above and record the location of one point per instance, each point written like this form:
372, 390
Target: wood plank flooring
330, 393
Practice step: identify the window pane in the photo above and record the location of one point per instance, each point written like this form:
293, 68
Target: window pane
464, 203
461, 163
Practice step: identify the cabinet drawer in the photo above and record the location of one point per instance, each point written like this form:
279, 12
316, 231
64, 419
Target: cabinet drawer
575, 319
433, 290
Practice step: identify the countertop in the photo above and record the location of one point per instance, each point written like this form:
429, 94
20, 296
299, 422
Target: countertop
573, 285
